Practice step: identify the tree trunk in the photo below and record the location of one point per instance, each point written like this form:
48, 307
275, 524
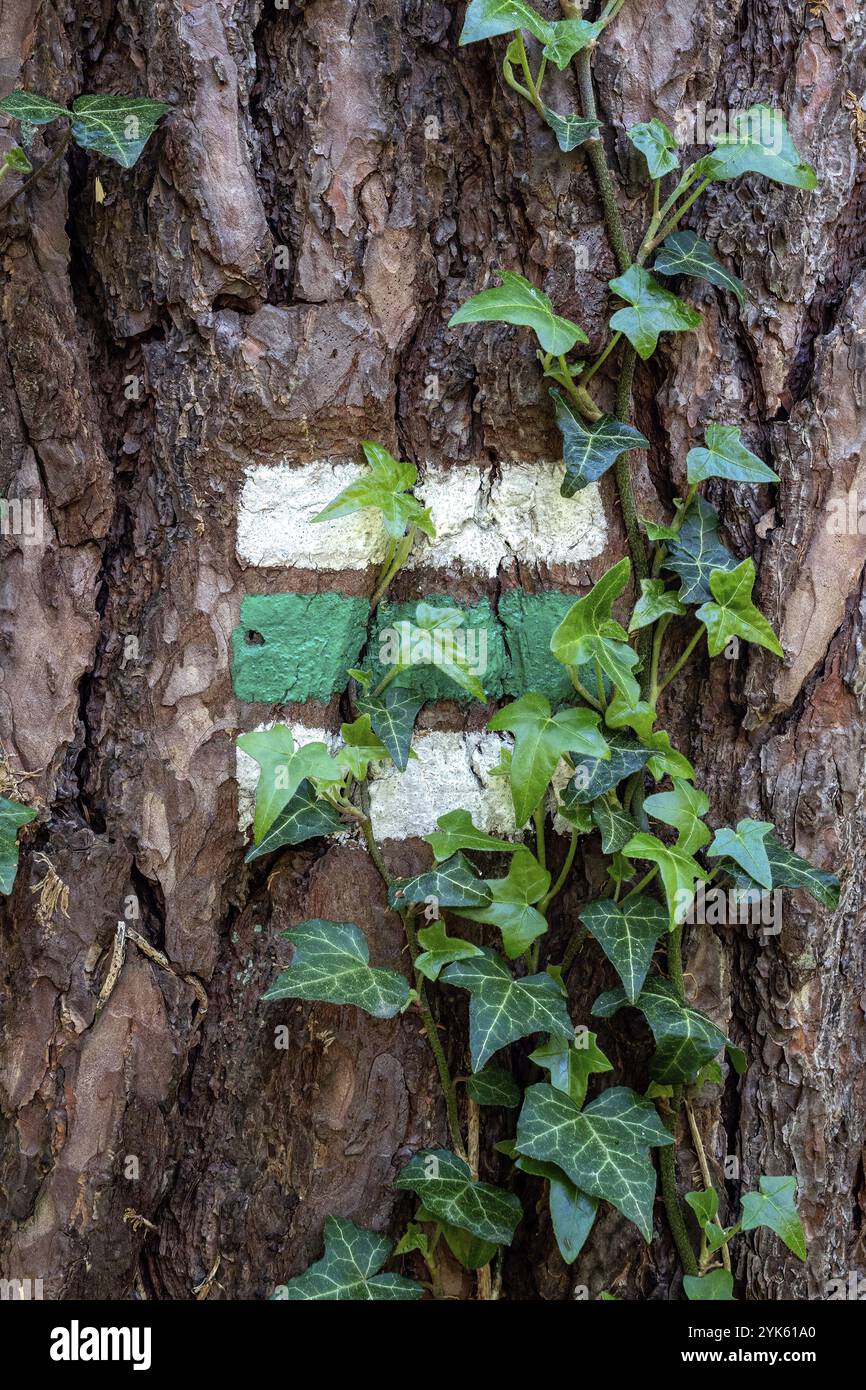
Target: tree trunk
269, 286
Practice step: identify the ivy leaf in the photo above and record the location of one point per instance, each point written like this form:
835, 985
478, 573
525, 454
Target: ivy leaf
745, 846
726, 456
679, 871
487, 19
612, 822
541, 739
572, 1064
34, 109
589, 633
16, 160
348, 1270
453, 884
731, 612
717, 1285
684, 253
12, 816
444, 1184
685, 1039
602, 1149
705, 1206
360, 747
502, 1009
697, 552
570, 36
117, 127
441, 949
682, 808
393, 718
468, 1250
627, 934
775, 1206
594, 776
510, 903
659, 531
654, 310
457, 831
657, 145
386, 487
638, 715
758, 143
433, 638
413, 1238
655, 600
494, 1086
667, 762
791, 870
570, 131
517, 301
282, 770
590, 450
330, 965
305, 818
572, 1215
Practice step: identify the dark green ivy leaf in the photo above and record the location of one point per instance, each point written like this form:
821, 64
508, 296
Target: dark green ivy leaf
717, 1285
572, 1064
589, 633
589, 450
613, 824
393, 718
684, 253
595, 776
347, 1272
685, 1039
570, 36
494, 1086
697, 552
440, 950
487, 19
12, 816
502, 1009
654, 310
453, 884
571, 130
444, 1184
116, 127
791, 870
34, 109
331, 965
457, 831
627, 933
305, 818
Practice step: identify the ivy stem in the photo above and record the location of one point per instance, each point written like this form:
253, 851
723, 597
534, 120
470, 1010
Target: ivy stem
595, 150
658, 637
673, 1208
527, 73
600, 359
639, 887
678, 665
540, 849
582, 690
562, 876
705, 1172
397, 558
678, 215
420, 989
49, 164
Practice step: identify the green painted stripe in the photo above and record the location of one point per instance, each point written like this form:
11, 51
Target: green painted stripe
304, 644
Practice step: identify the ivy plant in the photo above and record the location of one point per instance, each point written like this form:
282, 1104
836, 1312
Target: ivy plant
599, 762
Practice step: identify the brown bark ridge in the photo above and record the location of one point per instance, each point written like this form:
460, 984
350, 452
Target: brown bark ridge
151, 350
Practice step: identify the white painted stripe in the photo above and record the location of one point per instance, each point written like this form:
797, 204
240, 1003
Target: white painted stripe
480, 524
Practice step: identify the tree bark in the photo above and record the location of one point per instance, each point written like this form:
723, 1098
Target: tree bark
273, 282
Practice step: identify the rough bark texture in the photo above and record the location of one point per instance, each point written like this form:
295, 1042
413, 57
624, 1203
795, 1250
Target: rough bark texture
397, 170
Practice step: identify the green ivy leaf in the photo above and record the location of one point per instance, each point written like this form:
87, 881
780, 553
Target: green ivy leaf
510, 907
684, 253
330, 965
705, 1206
745, 846
541, 739
791, 870
717, 1285
655, 600
572, 1215
613, 824
453, 884
468, 1250
759, 143
360, 747
657, 145
348, 1270
595, 776
570, 36
305, 818
682, 808
487, 19
440, 950
731, 612
697, 552
589, 633
654, 310
775, 1206
116, 127
590, 450
494, 1086
638, 715
571, 130
34, 109
393, 718
386, 487
457, 831
502, 1009
627, 934
726, 456
517, 301
602, 1149
572, 1064
667, 762
679, 871
282, 770
432, 638
12, 816
444, 1184
413, 1238
685, 1039
16, 160
659, 531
